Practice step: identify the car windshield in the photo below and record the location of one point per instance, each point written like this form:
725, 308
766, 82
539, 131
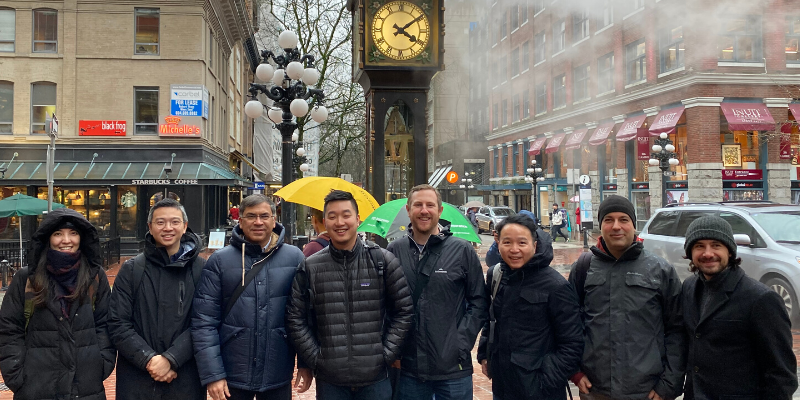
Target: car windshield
781, 227
503, 212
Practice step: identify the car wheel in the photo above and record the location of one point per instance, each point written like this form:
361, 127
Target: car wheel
787, 293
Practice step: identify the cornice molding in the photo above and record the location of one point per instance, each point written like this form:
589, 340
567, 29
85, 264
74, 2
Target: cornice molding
702, 102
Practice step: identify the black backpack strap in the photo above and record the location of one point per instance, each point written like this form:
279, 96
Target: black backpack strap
248, 278
581, 270
138, 273
322, 241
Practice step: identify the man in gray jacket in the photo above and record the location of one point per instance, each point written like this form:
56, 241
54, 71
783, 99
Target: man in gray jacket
631, 305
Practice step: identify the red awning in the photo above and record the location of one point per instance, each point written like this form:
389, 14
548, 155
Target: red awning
795, 109
748, 117
601, 133
555, 143
630, 128
575, 139
666, 120
536, 146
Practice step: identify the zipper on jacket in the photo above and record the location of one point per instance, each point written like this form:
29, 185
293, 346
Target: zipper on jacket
254, 347
347, 314
181, 297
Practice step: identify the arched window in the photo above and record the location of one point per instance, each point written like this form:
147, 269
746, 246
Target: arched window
43, 105
45, 31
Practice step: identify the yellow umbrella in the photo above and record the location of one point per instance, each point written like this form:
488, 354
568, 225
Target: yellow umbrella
311, 191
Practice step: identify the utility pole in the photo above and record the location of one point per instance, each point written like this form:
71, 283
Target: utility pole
51, 126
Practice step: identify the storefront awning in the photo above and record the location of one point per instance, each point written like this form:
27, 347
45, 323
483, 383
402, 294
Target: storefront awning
575, 139
748, 117
438, 175
136, 173
666, 120
795, 109
554, 143
600, 134
536, 146
630, 128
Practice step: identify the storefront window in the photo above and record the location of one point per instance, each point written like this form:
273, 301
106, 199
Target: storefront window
94, 204
679, 141
795, 152
639, 167
741, 150
610, 163
641, 201
9, 227
127, 205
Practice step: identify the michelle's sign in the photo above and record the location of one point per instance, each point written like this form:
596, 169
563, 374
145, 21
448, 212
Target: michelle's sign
180, 126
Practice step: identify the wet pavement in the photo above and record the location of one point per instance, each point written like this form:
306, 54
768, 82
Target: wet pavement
564, 255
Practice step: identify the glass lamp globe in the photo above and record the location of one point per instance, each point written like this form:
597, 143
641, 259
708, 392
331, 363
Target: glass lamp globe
541, 179
304, 167
669, 148
530, 170
300, 152
533, 162
656, 148
461, 186
528, 179
538, 170
254, 109
287, 40
319, 114
311, 76
299, 108
278, 77
653, 162
663, 135
295, 137
674, 161
275, 115
294, 70
265, 72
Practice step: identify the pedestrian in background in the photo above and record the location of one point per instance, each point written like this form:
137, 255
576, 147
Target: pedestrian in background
533, 341
740, 339
53, 328
323, 238
150, 313
238, 325
635, 344
350, 309
556, 223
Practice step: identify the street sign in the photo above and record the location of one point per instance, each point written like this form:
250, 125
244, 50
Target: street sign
669, 173
452, 177
584, 179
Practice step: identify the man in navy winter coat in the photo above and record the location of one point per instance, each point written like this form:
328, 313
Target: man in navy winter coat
240, 344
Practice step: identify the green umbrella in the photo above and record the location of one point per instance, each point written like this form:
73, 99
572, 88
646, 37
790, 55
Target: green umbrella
19, 205
391, 219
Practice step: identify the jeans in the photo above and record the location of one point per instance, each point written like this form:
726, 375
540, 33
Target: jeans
377, 391
281, 393
555, 231
410, 388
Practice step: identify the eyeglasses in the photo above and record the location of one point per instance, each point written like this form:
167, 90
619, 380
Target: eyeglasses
161, 223
254, 217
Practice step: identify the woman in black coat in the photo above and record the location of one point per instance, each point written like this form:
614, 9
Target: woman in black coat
534, 340
55, 344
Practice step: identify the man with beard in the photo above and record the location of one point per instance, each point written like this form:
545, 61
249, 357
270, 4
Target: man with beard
740, 342
450, 304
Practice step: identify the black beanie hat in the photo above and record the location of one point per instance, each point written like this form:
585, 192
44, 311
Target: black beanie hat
616, 204
710, 228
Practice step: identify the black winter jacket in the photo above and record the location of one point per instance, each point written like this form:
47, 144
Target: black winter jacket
741, 348
250, 347
337, 317
155, 319
57, 357
538, 337
450, 311
634, 335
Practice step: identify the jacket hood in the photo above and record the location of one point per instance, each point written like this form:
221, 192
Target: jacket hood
631, 253
40, 241
543, 255
157, 255
529, 214
253, 249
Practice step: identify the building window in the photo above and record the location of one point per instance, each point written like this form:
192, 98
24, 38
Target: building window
672, 49
495, 116
636, 61
538, 47
210, 48
605, 73
147, 20
503, 26
505, 112
238, 124
741, 39
792, 39
6, 107
503, 68
514, 11
607, 16
634, 5
515, 159
496, 156
541, 98
515, 110
526, 55
580, 25
8, 23
496, 33
581, 83
559, 91
45, 31
559, 36
43, 105
538, 6
145, 110
526, 104
505, 160
523, 12
515, 62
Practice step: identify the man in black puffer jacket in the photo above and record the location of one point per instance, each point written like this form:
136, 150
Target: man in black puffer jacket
150, 313
337, 316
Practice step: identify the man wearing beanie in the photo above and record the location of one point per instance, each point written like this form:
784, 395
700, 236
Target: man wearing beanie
740, 343
630, 304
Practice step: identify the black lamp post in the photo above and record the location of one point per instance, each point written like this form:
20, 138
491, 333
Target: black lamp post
535, 175
466, 184
290, 91
663, 157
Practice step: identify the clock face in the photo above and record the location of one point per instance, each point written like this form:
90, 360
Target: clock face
400, 30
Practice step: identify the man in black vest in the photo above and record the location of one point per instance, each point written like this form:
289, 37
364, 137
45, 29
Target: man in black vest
740, 342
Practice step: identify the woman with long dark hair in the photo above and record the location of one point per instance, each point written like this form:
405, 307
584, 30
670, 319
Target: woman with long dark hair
53, 331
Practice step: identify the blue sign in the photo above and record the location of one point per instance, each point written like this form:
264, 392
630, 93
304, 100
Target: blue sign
188, 101
259, 185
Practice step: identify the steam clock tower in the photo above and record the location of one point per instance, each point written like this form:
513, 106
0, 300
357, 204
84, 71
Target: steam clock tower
398, 47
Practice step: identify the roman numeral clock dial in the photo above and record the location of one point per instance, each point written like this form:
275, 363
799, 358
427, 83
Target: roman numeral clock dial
400, 30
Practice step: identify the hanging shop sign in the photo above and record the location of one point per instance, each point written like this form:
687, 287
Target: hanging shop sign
742, 185
188, 101
180, 126
609, 186
642, 186
795, 184
742, 174
643, 145
101, 128
785, 147
677, 185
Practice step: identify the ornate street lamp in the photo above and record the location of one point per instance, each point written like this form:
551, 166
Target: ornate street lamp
466, 184
290, 91
535, 175
663, 157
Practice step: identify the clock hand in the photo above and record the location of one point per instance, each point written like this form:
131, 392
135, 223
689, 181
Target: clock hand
412, 21
403, 31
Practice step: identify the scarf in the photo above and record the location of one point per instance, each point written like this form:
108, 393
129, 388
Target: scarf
63, 269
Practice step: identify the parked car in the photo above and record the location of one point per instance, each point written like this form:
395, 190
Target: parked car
767, 235
489, 217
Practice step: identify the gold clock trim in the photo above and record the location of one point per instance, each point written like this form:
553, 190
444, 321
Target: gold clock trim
400, 30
